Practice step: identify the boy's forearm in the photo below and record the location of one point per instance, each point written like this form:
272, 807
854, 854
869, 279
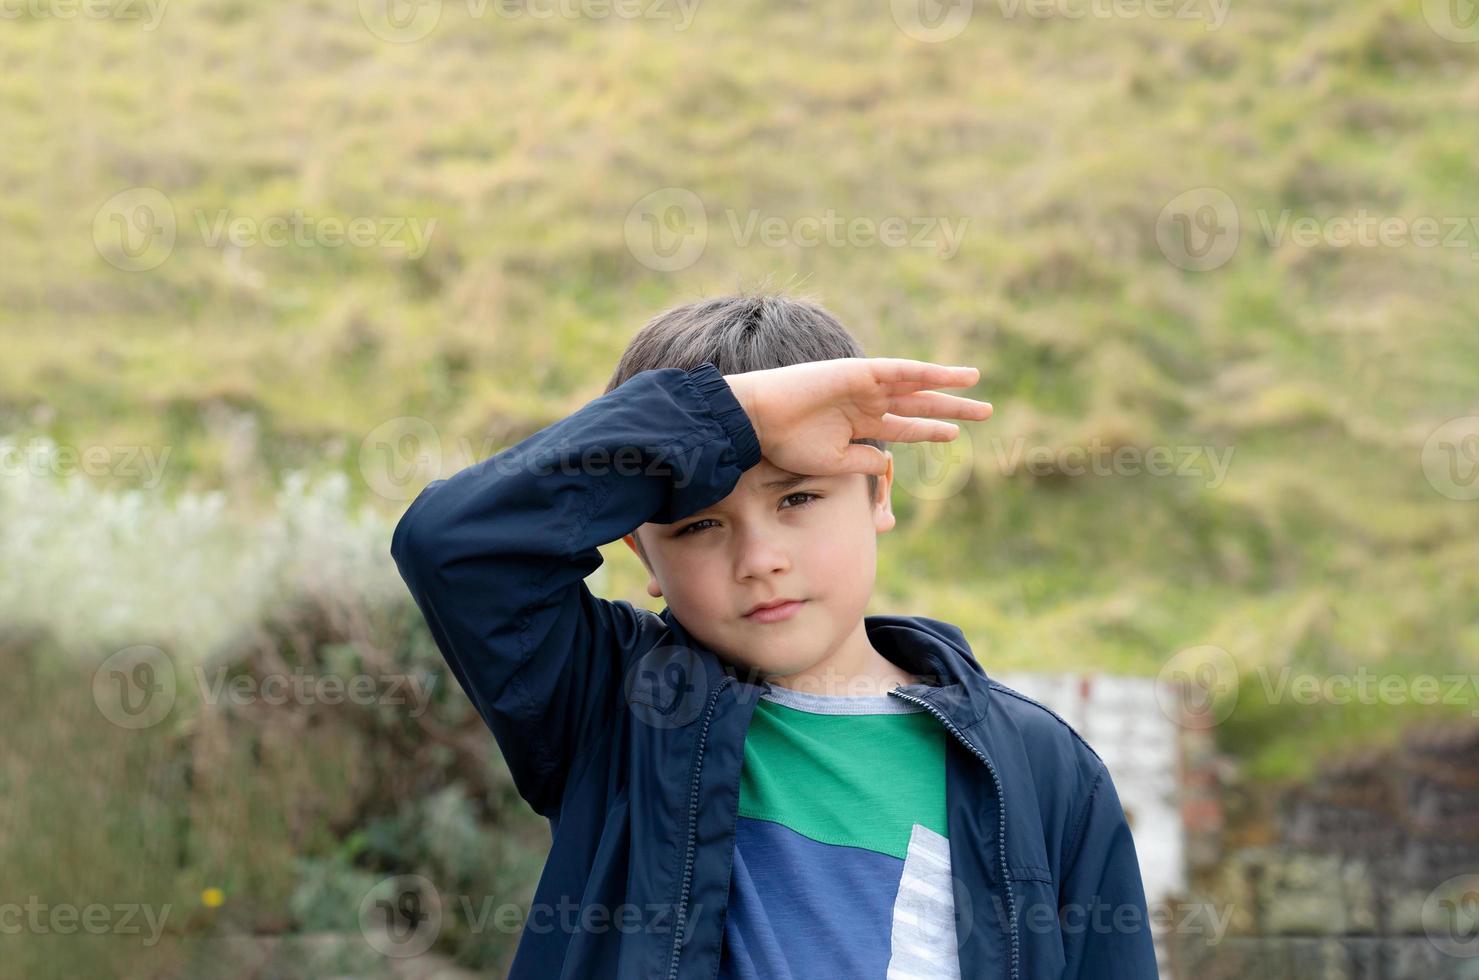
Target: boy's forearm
496, 555
661, 446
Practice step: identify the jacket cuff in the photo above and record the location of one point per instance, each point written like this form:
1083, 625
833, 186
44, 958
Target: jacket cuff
716, 393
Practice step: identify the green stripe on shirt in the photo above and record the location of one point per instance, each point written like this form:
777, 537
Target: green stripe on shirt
858, 780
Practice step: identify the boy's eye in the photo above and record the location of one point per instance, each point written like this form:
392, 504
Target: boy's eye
702, 525
695, 527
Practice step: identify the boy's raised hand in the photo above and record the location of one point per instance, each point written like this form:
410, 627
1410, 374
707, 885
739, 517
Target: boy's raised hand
806, 414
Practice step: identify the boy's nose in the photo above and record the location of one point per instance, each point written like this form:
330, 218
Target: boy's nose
759, 558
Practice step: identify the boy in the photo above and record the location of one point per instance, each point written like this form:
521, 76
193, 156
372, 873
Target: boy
760, 781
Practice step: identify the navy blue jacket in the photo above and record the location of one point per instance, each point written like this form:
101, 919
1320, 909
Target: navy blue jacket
627, 733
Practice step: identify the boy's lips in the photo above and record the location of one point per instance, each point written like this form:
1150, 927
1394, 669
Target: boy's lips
775, 611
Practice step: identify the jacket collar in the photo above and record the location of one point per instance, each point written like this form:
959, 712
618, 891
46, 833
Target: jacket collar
937, 652
953, 681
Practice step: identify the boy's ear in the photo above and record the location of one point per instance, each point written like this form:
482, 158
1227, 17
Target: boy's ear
631, 540
653, 589
883, 512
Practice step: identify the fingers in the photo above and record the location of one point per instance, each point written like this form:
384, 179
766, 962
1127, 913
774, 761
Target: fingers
935, 404
897, 428
916, 415
904, 372
864, 459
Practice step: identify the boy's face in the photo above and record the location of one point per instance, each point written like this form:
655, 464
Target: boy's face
815, 540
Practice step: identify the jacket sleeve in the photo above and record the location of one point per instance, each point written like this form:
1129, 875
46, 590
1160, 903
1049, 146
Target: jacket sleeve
1101, 908
496, 556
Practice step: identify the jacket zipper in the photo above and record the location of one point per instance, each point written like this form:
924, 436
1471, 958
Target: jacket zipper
698, 763
1001, 831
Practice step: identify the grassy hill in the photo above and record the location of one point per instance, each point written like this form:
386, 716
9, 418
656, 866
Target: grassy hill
1061, 148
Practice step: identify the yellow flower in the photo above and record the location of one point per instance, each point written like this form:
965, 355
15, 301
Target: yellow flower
212, 897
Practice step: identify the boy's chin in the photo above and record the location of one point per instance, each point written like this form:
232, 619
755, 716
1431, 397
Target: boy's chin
755, 668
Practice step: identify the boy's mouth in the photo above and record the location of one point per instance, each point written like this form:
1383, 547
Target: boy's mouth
775, 611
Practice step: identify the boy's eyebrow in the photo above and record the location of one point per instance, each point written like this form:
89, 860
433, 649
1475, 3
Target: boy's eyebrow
786, 482
781, 483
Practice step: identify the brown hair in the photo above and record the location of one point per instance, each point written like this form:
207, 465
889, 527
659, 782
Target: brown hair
738, 333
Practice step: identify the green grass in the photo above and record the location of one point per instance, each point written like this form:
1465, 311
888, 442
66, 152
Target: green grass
1060, 140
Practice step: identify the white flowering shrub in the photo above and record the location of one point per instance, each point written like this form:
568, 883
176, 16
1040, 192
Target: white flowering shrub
102, 569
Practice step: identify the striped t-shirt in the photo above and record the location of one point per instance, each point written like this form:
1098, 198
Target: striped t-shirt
841, 857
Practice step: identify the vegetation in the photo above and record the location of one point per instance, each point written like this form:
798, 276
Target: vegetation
276, 381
